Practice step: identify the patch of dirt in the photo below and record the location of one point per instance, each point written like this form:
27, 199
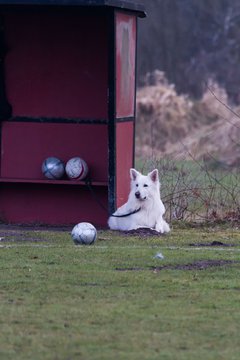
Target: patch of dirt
203, 264
213, 243
197, 265
13, 236
34, 227
21, 233
141, 232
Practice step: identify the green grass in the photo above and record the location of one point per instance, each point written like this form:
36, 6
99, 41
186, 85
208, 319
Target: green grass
61, 301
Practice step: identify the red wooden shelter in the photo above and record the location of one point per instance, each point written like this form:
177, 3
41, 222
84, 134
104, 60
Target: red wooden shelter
67, 88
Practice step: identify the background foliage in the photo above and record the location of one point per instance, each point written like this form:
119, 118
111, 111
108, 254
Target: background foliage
192, 41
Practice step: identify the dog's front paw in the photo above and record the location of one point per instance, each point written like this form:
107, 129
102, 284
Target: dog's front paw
162, 227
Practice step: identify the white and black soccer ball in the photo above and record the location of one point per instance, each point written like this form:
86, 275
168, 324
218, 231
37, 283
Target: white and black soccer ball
84, 233
76, 168
53, 168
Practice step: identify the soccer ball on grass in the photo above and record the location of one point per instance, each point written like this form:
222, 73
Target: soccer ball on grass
84, 233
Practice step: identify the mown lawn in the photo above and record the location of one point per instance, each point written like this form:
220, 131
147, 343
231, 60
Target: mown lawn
114, 300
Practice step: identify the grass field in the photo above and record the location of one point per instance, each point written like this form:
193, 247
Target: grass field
114, 300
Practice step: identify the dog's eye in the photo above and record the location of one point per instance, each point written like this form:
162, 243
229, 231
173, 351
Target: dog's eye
145, 185
136, 185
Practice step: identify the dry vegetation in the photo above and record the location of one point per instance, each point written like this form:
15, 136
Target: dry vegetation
173, 124
173, 128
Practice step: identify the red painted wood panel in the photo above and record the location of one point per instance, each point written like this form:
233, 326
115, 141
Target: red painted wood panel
25, 146
57, 63
125, 66
52, 205
124, 160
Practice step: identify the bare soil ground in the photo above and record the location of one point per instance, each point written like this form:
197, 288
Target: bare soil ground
197, 265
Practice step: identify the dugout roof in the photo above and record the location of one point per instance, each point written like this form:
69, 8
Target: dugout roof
125, 5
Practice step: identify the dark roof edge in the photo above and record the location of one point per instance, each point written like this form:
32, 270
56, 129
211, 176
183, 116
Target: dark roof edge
120, 4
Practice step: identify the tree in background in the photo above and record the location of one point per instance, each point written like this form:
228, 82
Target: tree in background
192, 41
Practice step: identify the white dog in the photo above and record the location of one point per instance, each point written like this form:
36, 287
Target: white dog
144, 207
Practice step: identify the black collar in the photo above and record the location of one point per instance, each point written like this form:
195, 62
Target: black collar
128, 214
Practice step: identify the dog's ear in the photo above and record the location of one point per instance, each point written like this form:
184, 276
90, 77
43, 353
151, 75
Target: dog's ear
154, 175
133, 174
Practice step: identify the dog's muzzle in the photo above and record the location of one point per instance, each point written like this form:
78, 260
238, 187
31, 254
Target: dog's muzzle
138, 196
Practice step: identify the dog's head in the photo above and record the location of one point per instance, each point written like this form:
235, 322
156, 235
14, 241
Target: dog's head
144, 186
